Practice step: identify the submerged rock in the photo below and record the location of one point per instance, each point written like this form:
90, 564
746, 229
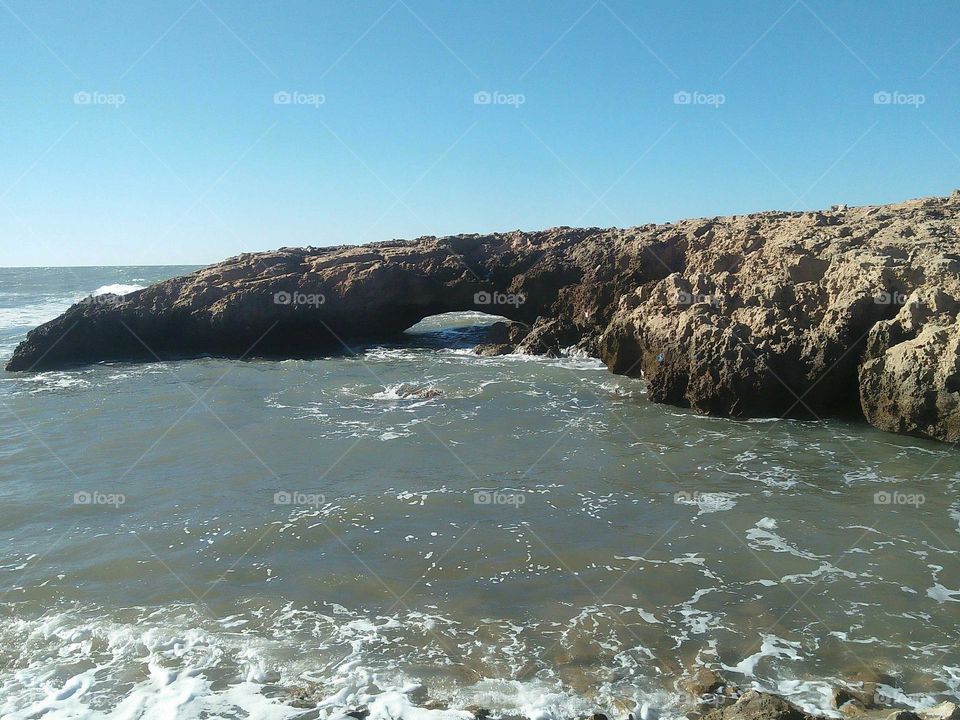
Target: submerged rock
406, 391
845, 312
701, 681
863, 688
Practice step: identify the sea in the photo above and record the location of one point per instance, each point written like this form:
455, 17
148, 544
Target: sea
409, 530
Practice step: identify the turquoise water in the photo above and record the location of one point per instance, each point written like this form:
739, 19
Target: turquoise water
412, 522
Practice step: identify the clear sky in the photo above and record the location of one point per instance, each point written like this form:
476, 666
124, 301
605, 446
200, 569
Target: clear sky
141, 132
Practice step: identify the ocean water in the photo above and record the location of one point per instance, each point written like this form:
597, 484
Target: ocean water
410, 527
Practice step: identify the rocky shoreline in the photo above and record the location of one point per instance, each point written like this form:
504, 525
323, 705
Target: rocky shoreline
846, 312
710, 696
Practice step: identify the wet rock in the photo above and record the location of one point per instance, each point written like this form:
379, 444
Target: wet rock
943, 711
903, 715
910, 376
493, 349
302, 697
701, 681
623, 709
754, 705
478, 712
502, 338
412, 391
851, 708
839, 696
864, 684
506, 333
549, 337
417, 695
862, 696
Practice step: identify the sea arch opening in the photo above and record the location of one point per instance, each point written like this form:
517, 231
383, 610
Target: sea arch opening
459, 329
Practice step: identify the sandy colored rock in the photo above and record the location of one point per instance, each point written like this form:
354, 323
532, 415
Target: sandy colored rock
943, 711
840, 312
754, 705
701, 681
852, 708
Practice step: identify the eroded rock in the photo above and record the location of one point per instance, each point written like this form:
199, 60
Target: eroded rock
754, 705
943, 711
845, 312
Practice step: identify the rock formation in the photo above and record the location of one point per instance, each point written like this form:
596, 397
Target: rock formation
842, 312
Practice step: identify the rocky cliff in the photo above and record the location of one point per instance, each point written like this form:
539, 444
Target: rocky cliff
843, 312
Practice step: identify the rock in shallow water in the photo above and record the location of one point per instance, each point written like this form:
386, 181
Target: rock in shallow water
848, 311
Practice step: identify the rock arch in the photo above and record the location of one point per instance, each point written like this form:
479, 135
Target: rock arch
830, 313
307, 301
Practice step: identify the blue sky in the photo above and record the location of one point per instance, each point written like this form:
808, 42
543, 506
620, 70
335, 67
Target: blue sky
153, 133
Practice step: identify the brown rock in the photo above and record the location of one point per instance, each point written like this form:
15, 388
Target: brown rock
478, 712
701, 681
943, 711
302, 696
852, 708
493, 349
779, 313
839, 696
903, 715
863, 686
754, 705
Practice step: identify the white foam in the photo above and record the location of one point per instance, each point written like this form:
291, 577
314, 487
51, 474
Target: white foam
116, 289
405, 391
942, 594
26, 316
762, 537
37, 313
772, 647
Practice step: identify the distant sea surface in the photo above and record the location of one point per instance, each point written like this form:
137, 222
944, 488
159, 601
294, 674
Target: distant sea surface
408, 523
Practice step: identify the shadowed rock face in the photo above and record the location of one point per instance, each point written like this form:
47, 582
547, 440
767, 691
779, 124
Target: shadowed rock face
839, 312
